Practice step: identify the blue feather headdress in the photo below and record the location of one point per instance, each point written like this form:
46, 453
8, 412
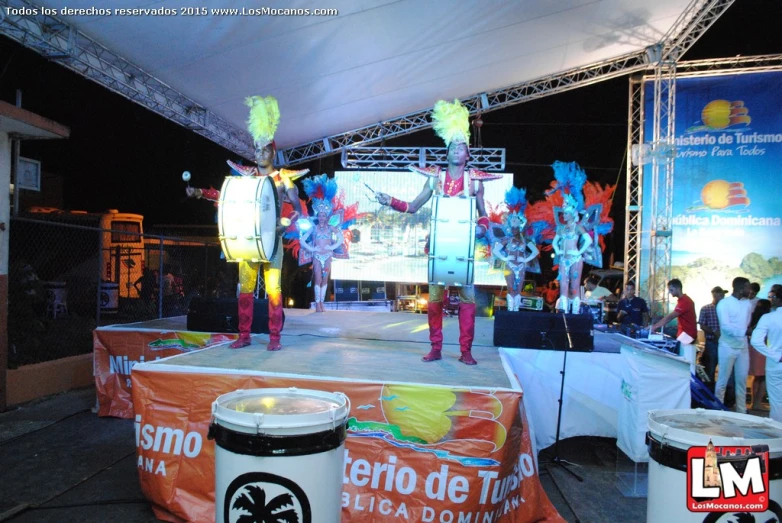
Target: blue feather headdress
570, 179
322, 190
516, 201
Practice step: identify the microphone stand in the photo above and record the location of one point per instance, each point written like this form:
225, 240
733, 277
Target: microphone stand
557, 460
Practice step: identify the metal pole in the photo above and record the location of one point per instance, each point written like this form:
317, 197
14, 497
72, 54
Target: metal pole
100, 276
15, 160
206, 269
160, 281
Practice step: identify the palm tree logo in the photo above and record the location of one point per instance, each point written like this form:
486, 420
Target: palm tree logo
260, 497
252, 501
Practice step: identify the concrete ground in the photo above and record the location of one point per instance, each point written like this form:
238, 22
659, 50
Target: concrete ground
60, 463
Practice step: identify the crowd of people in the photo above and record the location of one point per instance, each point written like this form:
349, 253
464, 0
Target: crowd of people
742, 337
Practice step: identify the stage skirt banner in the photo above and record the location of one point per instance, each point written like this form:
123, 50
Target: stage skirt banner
726, 219
117, 351
416, 453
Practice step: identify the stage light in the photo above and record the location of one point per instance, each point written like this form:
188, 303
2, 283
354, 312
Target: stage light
303, 224
290, 302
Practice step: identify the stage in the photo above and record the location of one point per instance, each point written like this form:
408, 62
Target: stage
473, 424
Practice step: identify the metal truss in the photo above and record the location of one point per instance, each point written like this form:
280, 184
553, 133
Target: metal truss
726, 66
663, 134
479, 103
62, 43
692, 23
690, 26
635, 135
399, 158
698, 17
634, 186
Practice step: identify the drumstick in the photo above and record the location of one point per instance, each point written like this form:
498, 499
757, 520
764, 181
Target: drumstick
374, 194
185, 178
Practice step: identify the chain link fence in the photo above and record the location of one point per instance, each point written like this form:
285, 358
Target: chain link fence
64, 280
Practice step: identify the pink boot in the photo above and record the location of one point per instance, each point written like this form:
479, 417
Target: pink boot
466, 332
275, 325
246, 301
435, 331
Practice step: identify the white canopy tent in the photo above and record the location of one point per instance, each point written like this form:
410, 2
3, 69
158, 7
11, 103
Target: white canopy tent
372, 62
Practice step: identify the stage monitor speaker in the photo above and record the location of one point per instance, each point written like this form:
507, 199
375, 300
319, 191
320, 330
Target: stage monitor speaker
542, 330
222, 315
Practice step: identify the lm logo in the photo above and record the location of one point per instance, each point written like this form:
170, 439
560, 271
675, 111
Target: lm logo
727, 479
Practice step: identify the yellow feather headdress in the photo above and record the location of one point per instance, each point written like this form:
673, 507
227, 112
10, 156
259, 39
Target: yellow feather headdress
264, 118
451, 122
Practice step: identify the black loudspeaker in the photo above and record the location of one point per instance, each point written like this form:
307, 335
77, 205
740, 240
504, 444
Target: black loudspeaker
542, 330
222, 315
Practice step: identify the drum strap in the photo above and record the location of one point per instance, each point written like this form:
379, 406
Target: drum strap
676, 458
274, 445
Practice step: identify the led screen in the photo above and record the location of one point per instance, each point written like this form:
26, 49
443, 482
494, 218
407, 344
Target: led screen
391, 246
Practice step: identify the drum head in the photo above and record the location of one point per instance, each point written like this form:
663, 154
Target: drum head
685, 428
269, 210
280, 410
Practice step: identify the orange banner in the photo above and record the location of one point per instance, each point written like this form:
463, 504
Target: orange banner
116, 351
414, 452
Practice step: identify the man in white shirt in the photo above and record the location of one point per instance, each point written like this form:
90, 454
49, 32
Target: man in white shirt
734, 314
767, 340
595, 292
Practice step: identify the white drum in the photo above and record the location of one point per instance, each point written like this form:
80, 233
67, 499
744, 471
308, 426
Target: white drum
673, 432
282, 447
452, 241
247, 217
109, 298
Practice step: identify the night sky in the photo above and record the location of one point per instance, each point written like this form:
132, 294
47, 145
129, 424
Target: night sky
121, 155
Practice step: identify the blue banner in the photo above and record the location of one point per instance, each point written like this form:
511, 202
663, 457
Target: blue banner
727, 217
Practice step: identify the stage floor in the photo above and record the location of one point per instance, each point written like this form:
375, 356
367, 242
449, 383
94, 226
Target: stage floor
357, 345
351, 345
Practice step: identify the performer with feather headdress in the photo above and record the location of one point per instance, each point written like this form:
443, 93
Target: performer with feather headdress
581, 219
262, 125
514, 248
320, 242
451, 123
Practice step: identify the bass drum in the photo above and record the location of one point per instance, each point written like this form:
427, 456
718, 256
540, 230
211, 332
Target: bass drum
248, 212
452, 241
